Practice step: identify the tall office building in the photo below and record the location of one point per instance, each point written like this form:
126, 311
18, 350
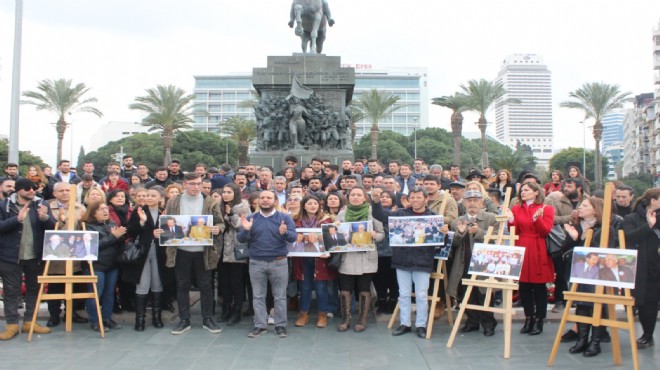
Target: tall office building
654, 110
223, 96
636, 156
613, 140
525, 77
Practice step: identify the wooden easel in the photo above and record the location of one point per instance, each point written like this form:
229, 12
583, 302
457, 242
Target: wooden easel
68, 279
508, 286
603, 295
439, 274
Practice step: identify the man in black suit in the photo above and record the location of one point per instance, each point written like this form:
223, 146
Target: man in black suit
613, 272
171, 231
333, 238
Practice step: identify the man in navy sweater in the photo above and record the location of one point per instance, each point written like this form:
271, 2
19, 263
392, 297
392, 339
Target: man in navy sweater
268, 233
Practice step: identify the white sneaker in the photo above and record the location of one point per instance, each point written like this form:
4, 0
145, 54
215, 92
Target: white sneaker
330, 315
271, 317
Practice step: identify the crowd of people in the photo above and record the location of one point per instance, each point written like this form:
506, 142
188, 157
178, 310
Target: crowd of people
256, 207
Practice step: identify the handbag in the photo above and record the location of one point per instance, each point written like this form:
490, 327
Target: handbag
334, 262
555, 240
241, 251
131, 253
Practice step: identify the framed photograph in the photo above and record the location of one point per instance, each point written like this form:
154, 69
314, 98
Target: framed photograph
603, 266
180, 230
415, 231
442, 250
71, 245
348, 237
308, 244
497, 260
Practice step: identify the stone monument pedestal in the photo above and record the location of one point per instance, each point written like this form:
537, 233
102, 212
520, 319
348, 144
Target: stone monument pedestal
329, 81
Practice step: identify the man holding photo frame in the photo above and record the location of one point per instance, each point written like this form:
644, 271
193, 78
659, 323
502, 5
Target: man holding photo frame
412, 264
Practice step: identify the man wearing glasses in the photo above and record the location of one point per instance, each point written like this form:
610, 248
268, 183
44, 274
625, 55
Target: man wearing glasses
23, 220
199, 259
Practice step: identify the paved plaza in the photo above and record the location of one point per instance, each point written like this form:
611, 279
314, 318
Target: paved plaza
305, 348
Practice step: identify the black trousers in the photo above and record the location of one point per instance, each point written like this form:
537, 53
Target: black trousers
55, 305
534, 299
648, 312
385, 280
12, 274
231, 282
189, 264
474, 318
561, 284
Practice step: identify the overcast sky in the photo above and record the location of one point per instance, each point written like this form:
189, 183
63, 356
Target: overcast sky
120, 48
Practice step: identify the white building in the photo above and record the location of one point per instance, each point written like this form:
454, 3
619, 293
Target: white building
221, 96
113, 131
654, 114
636, 155
525, 77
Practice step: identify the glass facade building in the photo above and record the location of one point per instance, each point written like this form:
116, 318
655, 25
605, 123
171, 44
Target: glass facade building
525, 77
224, 96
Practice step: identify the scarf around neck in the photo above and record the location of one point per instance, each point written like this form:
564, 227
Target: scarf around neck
357, 213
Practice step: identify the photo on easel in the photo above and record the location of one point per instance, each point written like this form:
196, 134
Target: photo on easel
309, 243
62, 245
416, 231
180, 230
442, 250
500, 261
607, 267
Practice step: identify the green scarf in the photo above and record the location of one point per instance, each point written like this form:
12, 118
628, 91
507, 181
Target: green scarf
357, 213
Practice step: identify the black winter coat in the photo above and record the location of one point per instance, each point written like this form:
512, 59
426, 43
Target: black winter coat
145, 233
407, 258
109, 246
646, 241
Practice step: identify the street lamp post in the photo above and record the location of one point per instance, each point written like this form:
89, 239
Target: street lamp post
415, 134
16, 84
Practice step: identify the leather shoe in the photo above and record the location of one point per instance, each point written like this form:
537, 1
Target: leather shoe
489, 332
53, 321
402, 329
421, 332
468, 328
569, 336
644, 342
76, 318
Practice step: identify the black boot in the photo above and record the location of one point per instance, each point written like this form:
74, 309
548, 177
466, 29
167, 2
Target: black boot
140, 311
156, 309
594, 345
529, 321
583, 339
235, 316
537, 327
226, 312
381, 306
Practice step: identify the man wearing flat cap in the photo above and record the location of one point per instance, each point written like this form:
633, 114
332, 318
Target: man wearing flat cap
470, 228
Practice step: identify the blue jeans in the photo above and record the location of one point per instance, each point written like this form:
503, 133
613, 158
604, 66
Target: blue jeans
107, 280
308, 283
261, 272
406, 280
333, 296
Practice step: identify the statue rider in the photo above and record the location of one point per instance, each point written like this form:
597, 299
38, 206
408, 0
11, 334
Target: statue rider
326, 12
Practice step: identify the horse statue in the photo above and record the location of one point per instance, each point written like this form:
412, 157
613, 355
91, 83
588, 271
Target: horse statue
311, 18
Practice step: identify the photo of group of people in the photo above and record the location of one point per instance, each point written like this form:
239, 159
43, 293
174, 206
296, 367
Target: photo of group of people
442, 250
606, 267
308, 244
348, 237
497, 260
71, 245
415, 231
185, 230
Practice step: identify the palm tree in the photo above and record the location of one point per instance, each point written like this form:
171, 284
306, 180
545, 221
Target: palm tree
375, 105
169, 109
597, 99
356, 115
242, 131
480, 96
59, 97
457, 103
515, 161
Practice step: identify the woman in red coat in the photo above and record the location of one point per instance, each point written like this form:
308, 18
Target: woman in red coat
312, 272
533, 221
